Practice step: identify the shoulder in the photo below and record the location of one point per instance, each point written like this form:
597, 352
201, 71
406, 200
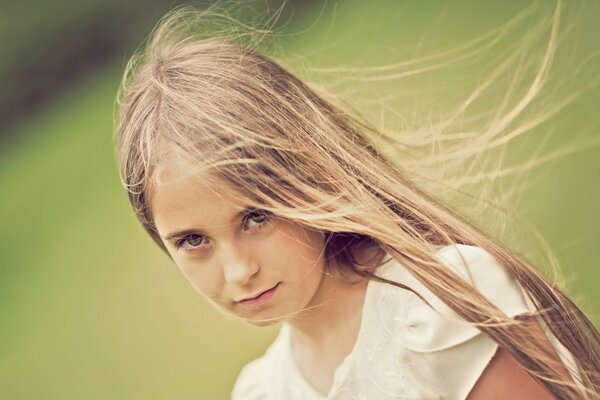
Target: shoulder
473, 264
432, 326
487, 275
448, 352
436, 326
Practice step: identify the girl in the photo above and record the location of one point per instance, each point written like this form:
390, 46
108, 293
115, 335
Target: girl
277, 208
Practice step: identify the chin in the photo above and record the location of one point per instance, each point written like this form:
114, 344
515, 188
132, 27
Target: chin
267, 320
263, 323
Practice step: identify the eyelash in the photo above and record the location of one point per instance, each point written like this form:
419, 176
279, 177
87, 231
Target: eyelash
249, 215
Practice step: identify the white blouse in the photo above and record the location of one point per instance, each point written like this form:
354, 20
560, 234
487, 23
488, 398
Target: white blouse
404, 348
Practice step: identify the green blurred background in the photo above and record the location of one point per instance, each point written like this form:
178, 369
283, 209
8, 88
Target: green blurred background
91, 309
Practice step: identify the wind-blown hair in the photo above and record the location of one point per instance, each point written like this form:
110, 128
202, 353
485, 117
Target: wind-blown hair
266, 136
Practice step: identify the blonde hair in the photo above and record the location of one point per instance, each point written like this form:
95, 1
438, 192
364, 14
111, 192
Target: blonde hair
222, 106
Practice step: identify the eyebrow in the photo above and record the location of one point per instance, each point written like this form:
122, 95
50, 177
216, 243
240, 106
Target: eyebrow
185, 232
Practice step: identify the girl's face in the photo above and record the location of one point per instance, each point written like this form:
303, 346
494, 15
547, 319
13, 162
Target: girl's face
247, 263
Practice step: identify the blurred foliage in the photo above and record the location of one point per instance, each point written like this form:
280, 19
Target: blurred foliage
48, 44
91, 309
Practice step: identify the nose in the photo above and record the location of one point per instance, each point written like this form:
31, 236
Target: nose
238, 269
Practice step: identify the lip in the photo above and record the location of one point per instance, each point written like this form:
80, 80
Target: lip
259, 299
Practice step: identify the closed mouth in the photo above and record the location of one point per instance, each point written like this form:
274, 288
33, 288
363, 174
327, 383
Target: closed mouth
258, 295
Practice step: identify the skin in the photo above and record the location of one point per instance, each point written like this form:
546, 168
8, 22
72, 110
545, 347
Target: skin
229, 253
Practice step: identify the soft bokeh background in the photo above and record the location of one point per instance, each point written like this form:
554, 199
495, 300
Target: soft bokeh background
91, 309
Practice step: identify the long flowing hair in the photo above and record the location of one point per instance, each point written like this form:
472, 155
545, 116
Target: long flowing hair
221, 106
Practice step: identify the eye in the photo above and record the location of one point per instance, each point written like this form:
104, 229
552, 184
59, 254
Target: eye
190, 242
256, 219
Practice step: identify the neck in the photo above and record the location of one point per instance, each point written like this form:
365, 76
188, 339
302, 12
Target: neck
333, 315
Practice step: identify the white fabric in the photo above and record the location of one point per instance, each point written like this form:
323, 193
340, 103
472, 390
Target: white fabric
404, 348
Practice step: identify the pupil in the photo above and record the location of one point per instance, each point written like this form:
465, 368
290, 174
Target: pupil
195, 241
257, 217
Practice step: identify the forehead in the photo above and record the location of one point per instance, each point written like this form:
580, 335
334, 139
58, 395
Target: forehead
177, 172
181, 196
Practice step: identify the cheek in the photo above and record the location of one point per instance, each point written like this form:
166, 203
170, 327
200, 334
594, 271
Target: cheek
205, 280
297, 248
